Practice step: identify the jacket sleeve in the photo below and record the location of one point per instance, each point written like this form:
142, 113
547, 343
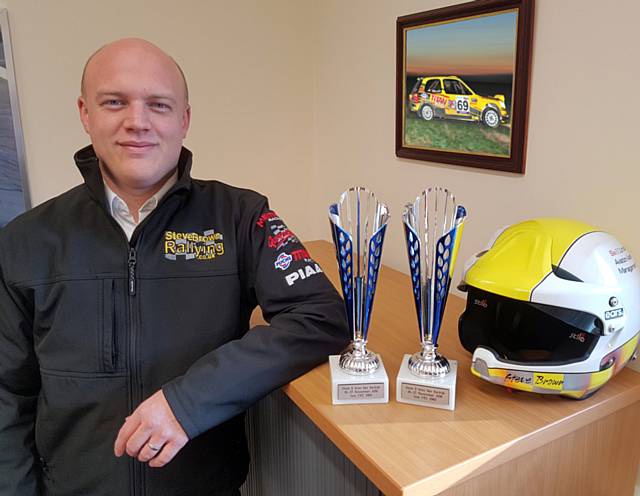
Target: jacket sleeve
306, 324
19, 387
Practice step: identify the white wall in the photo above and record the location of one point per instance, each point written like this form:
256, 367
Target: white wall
247, 63
582, 158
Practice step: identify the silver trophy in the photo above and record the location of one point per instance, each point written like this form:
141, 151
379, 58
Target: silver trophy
358, 225
433, 226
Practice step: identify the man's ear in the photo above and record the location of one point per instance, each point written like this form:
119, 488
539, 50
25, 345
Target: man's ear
186, 120
84, 113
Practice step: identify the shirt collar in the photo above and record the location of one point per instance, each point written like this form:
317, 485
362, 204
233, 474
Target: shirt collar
87, 162
114, 200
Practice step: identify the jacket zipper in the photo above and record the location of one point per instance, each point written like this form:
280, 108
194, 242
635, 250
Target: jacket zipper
131, 262
134, 363
134, 367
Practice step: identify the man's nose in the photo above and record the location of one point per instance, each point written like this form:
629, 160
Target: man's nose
137, 117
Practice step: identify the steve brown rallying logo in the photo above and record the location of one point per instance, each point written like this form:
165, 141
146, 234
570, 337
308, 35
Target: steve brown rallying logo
192, 245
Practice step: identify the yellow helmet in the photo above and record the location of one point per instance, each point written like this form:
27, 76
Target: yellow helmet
553, 307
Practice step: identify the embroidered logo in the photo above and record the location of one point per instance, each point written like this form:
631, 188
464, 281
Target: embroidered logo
192, 245
301, 254
306, 271
283, 261
269, 216
281, 237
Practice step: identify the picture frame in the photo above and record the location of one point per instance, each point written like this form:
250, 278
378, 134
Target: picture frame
14, 193
462, 84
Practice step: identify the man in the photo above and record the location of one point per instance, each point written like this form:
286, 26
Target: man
125, 361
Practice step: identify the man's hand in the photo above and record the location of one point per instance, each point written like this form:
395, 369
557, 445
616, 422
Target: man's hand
151, 432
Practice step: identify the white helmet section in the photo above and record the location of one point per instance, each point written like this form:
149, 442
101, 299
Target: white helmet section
609, 286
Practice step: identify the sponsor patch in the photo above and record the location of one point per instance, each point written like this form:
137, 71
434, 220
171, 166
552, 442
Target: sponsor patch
438, 100
269, 216
193, 245
613, 314
481, 303
301, 254
578, 336
280, 237
283, 261
303, 273
617, 251
623, 260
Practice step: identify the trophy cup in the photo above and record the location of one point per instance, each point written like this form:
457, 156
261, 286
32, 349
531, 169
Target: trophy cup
433, 228
358, 224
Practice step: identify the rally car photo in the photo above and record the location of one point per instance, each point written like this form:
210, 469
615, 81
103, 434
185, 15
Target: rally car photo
449, 97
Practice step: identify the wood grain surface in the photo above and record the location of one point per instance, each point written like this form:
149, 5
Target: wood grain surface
412, 450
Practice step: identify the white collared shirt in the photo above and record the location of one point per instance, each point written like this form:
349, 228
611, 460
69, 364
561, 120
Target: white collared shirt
120, 211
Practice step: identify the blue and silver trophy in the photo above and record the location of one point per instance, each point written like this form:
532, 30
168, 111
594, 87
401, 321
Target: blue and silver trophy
433, 226
358, 225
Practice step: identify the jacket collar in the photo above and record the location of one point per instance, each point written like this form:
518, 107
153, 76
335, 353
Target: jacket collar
87, 162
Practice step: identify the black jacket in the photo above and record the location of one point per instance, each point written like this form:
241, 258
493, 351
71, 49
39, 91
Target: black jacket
91, 325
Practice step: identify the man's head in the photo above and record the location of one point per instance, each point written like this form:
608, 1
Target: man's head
134, 106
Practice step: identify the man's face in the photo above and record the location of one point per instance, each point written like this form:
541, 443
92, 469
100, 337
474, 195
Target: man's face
134, 109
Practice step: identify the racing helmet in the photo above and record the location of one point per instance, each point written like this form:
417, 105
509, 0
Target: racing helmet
553, 307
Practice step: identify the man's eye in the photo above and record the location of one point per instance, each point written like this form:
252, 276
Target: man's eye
113, 102
159, 106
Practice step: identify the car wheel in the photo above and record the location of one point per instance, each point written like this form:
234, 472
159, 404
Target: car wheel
491, 118
426, 112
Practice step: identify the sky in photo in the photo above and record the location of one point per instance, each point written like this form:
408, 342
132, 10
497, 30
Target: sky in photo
475, 46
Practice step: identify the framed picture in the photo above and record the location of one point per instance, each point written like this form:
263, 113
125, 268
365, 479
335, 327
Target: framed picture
462, 84
14, 197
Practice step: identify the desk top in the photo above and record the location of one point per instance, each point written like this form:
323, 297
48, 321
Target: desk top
410, 450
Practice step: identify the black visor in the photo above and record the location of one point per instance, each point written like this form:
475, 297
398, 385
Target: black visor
524, 332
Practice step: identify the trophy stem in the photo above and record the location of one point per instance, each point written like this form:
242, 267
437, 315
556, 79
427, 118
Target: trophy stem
357, 360
428, 362
427, 310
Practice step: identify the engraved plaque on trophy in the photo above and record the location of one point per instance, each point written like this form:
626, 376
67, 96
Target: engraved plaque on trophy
433, 226
358, 225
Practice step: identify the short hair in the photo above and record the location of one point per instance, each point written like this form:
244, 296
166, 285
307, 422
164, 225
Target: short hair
84, 73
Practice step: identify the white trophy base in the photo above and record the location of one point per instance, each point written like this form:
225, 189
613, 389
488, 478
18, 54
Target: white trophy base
347, 389
436, 392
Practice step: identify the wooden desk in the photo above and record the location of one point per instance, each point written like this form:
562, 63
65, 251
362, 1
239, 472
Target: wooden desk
495, 442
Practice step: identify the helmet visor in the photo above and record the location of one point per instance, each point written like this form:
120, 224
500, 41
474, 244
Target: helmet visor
522, 332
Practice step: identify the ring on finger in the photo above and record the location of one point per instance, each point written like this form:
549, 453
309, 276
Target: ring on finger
153, 447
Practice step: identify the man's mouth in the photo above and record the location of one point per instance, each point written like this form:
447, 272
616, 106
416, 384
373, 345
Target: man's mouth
136, 146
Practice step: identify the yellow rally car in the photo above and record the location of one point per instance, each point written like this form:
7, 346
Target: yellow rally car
449, 97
